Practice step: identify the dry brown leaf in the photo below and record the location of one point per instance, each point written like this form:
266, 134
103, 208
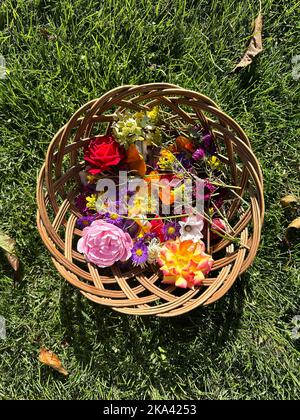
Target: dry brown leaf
48, 358
255, 46
288, 200
46, 34
8, 245
293, 231
13, 261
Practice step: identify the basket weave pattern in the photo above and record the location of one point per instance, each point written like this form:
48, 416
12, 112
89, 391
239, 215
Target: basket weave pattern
139, 291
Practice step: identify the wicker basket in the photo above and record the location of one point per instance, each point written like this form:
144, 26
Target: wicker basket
138, 291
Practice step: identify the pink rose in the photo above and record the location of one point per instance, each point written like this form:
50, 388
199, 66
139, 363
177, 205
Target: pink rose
218, 225
103, 244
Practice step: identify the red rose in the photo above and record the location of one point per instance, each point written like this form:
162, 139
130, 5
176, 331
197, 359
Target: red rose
102, 153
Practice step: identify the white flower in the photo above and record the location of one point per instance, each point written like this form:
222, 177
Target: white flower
191, 229
154, 248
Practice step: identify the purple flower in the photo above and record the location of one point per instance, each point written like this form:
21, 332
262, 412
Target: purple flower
85, 221
149, 236
139, 253
209, 189
185, 161
205, 191
80, 203
90, 188
171, 230
199, 154
208, 144
114, 219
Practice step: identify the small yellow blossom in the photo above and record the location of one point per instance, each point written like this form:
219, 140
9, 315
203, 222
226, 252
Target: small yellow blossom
139, 115
166, 159
140, 206
91, 202
90, 178
114, 216
214, 162
153, 114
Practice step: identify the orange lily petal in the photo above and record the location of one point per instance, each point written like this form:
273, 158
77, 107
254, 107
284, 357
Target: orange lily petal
166, 198
184, 143
135, 160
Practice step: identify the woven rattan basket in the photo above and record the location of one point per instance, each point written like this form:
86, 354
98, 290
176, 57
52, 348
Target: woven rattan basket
139, 291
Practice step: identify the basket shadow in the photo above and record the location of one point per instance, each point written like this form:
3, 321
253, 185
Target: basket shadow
203, 333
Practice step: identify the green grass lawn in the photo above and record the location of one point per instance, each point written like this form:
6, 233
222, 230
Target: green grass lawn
61, 54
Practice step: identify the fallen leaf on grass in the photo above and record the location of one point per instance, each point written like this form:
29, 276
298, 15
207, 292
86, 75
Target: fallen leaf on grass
48, 358
288, 200
293, 231
255, 46
8, 245
46, 34
13, 261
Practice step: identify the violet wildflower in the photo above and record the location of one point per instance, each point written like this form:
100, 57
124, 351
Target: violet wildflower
171, 230
131, 227
85, 221
199, 154
208, 144
218, 202
184, 160
114, 219
139, 253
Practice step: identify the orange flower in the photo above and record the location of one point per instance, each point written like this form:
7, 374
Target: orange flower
183, 143
166, 198
135, 160
156, 181
185, 263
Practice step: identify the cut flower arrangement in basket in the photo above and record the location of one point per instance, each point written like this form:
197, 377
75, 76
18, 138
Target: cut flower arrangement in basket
153, 194
150, 200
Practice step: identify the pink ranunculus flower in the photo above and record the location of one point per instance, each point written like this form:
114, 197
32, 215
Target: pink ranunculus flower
103, 244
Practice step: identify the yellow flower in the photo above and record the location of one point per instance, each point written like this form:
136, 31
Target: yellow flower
139, 115
153, 114
127, 130
166, 159
140, 205
101, 205
214, 162
144, 226
211, 211
179, 191
114, 216
90, 178
91, 202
